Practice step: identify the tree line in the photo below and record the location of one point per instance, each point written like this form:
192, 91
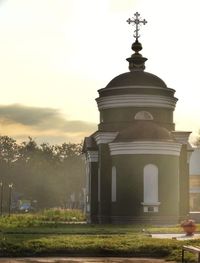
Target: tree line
49, 175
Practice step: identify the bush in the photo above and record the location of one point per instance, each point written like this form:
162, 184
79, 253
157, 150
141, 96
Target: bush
65, 215
37, 219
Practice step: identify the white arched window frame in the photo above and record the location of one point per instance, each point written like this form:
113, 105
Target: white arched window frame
150, 188
143, 115
114, 185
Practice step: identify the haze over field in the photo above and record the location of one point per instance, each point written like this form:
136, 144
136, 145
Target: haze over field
56, 54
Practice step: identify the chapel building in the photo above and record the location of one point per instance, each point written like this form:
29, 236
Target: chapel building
137, 165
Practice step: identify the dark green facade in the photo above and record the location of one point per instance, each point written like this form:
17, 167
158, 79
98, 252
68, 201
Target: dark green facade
130, 188
137, 162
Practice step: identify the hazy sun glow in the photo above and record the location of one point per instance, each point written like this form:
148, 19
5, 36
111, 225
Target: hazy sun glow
56, 54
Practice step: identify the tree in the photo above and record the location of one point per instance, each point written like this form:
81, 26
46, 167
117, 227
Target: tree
9, 150
69, 150
197, 140
46, 173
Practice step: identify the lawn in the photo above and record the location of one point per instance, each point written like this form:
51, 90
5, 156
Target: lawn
36, 235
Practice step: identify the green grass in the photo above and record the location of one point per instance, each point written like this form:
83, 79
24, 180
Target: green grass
90, 245
34, 235
26, 226
44, 218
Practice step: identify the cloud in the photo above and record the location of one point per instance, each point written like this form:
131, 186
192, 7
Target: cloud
22, 121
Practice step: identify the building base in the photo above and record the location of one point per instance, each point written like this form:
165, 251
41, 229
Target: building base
150, 220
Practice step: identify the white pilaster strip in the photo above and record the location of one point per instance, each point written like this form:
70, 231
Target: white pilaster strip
92, 156
104, 137
145, 147
136, 100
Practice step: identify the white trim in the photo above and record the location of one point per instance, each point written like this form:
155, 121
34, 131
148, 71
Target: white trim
105, 137
92, 156
87, 170
136, 100
189, 152
143, 115
151, 204
145, 147
146, 209
136, 87
181, 136
194, 190
88, 174
88, 207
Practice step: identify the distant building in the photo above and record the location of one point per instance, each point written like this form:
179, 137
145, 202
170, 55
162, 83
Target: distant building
195, 180
137, 165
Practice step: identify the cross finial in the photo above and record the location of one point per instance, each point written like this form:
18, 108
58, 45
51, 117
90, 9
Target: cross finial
136, 21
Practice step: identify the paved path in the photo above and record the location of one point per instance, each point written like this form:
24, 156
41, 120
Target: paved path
81, 260
176, 236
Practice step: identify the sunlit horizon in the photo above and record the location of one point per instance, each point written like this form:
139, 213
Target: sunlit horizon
55, 55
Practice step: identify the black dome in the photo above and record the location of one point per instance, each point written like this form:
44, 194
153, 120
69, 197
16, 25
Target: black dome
144, 130
139, 78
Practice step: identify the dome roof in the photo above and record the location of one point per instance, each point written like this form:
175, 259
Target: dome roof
144, 130
136, 78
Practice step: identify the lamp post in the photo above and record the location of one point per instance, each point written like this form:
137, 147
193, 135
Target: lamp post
10, 197
1, 201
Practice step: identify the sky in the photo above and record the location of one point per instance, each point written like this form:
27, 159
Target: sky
56, 54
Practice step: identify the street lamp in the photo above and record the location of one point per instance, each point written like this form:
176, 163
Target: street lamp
10, 197
1, 201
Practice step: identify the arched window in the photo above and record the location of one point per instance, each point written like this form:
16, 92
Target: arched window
150, 183
113, 185
143, 115
150, 177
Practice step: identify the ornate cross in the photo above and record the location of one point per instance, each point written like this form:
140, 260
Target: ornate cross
136, 21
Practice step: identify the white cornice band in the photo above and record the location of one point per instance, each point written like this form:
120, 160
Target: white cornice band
104, 137
136, 87
136, 100
145, 147
92, 156
181, 136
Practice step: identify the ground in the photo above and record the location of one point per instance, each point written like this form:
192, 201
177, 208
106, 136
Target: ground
81, 260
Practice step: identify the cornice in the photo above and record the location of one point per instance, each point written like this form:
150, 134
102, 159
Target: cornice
104, 137
136, 100
145, 147
136, 87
